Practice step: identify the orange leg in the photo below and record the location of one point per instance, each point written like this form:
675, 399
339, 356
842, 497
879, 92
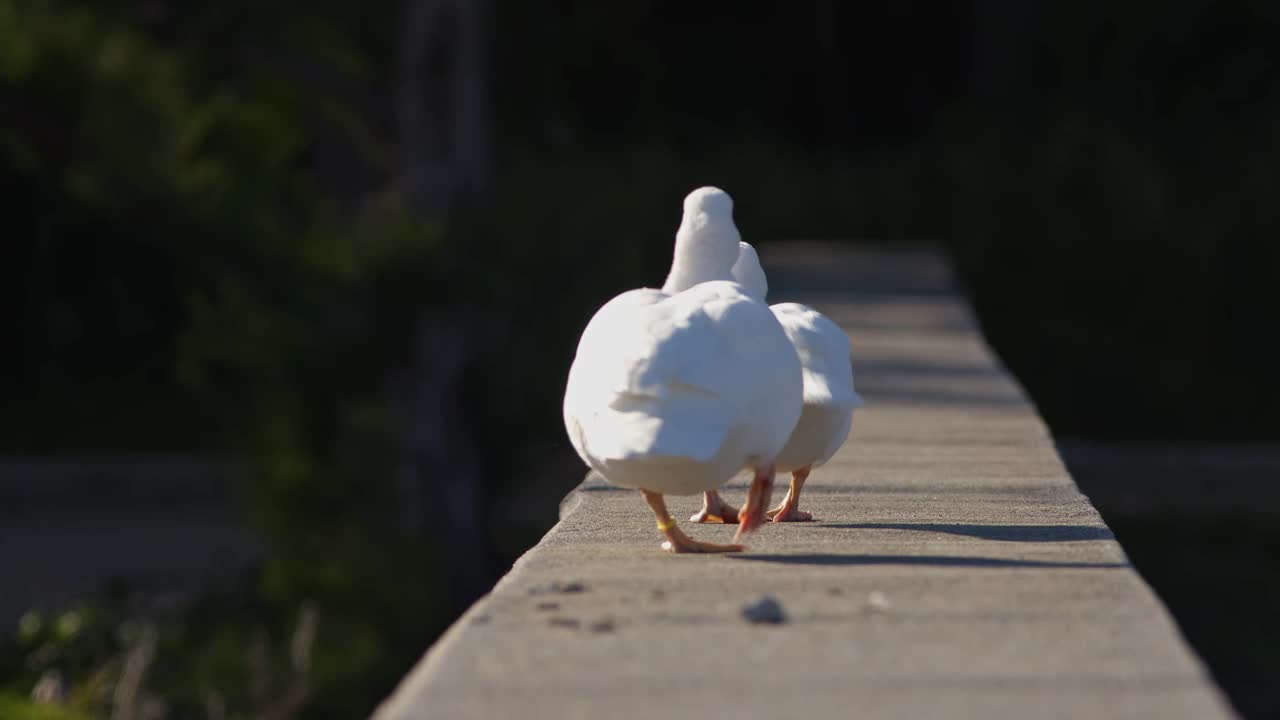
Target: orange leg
753, 513
715, 510
677, 541
789, 510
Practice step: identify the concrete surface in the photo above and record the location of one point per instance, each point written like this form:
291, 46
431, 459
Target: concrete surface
954, 570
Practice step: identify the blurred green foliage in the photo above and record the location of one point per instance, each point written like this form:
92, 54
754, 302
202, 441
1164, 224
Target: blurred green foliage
16, 707
211, 657
178, 242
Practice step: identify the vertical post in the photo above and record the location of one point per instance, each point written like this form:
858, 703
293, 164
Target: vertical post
422, 179
473, 154
445, 158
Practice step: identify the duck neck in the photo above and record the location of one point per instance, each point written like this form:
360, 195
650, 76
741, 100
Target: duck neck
685, 275
702, 255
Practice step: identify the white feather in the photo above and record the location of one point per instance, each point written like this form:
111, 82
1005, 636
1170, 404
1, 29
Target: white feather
676, 390
825, 354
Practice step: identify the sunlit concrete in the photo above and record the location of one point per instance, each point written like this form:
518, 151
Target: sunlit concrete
954, 570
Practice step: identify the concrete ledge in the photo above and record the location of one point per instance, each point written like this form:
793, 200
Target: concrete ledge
955, 571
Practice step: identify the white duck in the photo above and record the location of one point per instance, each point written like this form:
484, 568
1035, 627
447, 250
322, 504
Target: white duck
675, 391
829, 397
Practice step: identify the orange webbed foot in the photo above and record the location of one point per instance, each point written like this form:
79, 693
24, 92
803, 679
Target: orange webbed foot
715, 510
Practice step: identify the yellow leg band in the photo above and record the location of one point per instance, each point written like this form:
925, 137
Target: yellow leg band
666, 523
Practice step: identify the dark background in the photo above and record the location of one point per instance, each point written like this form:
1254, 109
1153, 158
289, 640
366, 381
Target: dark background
351, 246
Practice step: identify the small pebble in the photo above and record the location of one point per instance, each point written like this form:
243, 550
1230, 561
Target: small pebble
603, 626
564, 622
877, 601
547, 606
658, 594
766, 610
480, 620
835, 591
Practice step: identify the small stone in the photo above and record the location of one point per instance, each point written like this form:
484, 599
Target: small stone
877, 601
765, 611
604, 625
658, 594
547, 606
564, 622
835, 591
480, 620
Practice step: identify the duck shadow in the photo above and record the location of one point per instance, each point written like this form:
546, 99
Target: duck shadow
832, 559
1006, 533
